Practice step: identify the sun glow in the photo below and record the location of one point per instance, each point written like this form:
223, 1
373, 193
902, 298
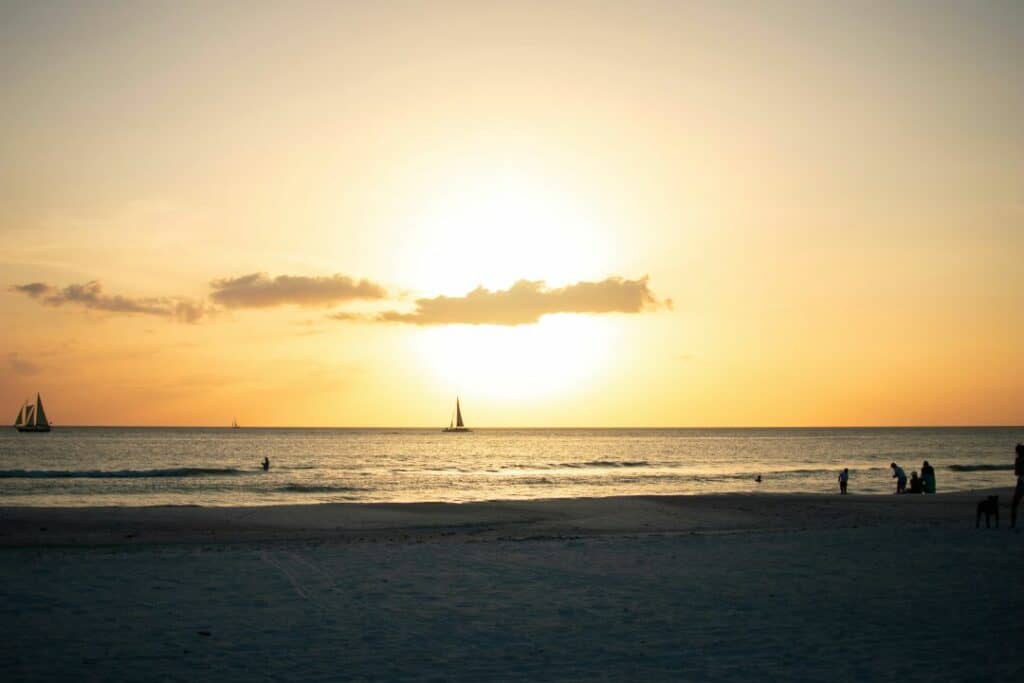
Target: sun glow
560, 354
494, 228
490, 226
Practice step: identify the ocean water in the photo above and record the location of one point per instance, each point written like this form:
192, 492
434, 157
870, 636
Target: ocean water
76, 466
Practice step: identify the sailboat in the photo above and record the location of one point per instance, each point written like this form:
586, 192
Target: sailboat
32, 417
234, 423
455, 425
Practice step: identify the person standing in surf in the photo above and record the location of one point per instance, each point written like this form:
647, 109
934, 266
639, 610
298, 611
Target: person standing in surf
844, 479
928, 477
1018, 492
900, 476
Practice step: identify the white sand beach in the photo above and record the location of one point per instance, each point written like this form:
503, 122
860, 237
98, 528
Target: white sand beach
731, 587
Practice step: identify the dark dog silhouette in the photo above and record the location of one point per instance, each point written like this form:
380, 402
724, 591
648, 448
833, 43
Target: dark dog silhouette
990, 508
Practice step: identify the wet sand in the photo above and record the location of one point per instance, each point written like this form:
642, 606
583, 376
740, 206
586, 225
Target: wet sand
499, 520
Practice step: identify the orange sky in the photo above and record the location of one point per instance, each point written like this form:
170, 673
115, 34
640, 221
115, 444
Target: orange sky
578, 214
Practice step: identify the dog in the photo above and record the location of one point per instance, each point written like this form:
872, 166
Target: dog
990, 508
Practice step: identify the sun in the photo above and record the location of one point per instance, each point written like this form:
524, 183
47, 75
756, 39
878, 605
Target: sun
492, 228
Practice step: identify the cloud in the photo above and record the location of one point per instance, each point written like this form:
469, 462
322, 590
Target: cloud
91, 295
344, 316
21, 366
259, 290
527, 301
34, 289
191, 311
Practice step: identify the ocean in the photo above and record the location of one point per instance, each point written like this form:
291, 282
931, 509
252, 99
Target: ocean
97, 466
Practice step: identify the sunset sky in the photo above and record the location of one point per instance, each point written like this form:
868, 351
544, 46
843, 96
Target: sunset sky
568, 214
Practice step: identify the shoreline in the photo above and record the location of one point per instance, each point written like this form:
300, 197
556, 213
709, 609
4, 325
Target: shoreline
418, 522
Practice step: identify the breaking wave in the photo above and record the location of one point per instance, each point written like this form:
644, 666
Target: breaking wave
123, 474
318, 488
980, 468
590, 464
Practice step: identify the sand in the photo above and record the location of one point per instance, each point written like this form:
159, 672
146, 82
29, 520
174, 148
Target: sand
731, 587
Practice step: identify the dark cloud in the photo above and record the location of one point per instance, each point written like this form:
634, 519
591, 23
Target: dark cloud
21, 366
527, 301
523, 303
91, 295
259, 290
34, 289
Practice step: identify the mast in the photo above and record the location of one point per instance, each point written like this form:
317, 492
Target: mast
458, 413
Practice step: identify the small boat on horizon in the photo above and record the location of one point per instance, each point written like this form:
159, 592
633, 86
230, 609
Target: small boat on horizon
234, 423
32, 417
456, 425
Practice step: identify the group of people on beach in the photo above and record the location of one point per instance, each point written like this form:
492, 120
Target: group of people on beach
918, 484
925, 483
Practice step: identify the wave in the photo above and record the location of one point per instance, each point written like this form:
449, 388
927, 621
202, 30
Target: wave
592, 464
317, 488
980, 468
123, 474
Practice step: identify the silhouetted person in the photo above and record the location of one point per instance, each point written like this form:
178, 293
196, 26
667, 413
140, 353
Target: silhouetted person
844, 479
916, 483
1018, 493
900, 476
758, 479
928, 477
266, 463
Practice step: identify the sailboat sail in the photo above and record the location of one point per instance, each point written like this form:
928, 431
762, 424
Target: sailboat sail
32, 417
455, 424
40, 413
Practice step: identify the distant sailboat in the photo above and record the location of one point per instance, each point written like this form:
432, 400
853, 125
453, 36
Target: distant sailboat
455, 425
234, 423
32, 417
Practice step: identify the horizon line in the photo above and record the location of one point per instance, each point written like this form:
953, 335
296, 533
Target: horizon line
431, 427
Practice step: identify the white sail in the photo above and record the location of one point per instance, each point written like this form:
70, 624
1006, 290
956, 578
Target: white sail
40, 413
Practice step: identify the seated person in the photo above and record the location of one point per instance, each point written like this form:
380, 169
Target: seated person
916, 483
